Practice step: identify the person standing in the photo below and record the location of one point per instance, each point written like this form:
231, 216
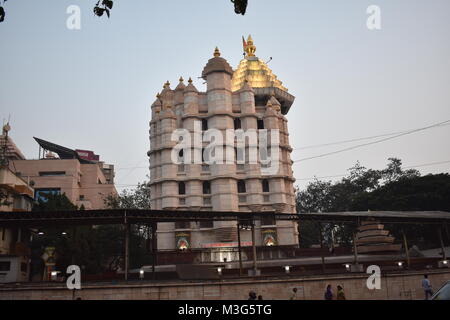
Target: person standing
426, 285
252, 295
328, 293
294, 294
340, 295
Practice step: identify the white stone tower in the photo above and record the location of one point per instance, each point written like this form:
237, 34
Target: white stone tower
248, 99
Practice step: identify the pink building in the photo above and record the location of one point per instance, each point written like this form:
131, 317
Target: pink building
76, 173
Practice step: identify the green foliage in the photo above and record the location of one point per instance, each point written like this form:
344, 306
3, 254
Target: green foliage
364, 189
54, 202
138, 198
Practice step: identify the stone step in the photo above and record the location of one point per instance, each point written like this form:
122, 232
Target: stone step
370, 233
375, 240
371, 227
367, 222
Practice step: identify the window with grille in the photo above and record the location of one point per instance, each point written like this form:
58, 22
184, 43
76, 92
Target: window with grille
182, 225
241, 186
206, 187
206, 224
260, 124
265, 185
181, 188
204, 124
237, 124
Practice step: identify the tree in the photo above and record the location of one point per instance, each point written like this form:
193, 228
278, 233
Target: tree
138, 198
365, 189
103, 7
411, 193
140, 235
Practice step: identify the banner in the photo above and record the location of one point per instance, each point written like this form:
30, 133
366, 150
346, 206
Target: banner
183, 240
269, 237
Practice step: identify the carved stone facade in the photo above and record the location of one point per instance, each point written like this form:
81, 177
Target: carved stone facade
249, 99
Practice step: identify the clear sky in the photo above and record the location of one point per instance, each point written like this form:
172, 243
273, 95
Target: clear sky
92, 88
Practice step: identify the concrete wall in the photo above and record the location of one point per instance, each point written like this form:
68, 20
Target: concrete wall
404, 286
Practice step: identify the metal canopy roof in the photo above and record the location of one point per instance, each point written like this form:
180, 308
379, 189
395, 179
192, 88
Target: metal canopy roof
382, 216
62, 152
97, 217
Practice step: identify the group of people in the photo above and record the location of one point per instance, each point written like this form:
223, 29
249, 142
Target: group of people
329, 295
340, 294
252, 296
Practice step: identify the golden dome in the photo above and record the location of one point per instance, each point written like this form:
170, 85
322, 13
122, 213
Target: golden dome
257, 73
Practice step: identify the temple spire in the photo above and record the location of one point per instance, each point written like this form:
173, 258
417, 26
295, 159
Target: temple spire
216, 52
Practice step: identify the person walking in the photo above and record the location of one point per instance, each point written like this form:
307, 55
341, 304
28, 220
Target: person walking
426, 285
328, 293
340, 295
294, 294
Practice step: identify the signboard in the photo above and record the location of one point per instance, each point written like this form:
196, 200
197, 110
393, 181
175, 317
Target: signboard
269, 237
226, 244
183, 240
87, 155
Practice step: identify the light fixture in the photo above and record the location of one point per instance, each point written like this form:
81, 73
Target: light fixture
443, 264
347, 266
54, 275
41, 233
63, 233
400, 264
141, 274
219, 270
287, 269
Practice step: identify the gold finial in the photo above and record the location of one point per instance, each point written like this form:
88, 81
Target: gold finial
166, 85
190, 80
250, 48
181, 79
158, 96
216, 52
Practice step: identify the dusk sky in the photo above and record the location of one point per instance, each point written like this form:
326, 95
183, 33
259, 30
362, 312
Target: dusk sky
92, 88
